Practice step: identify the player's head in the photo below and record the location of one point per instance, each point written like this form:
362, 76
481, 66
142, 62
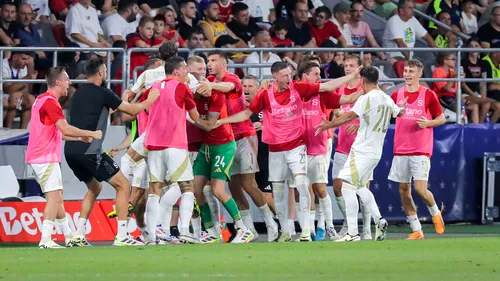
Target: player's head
250, 87
282, 74
309, 72
96, 68
176, 67
369, 78
310, 58
217, 62
210, 9
58, 80
413, 70
197, 67
351, 63
167, 50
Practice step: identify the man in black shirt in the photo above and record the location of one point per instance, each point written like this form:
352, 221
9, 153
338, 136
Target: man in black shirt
187, 22
90, 108
242, 24
490, 32
8, 32
298, 30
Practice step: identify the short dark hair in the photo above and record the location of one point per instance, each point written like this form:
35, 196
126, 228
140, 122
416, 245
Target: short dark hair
327, 43
278, 66
217, 52
7, 3
309, 58
324, 9
306, 68
167, 50
196, 30
21, 52
354, 56
369, 74
443, 56
402, 3
123, 5
54, 74
250, 77
238, 7
184, 3
280, 24
438, 16
92, 67
172, 64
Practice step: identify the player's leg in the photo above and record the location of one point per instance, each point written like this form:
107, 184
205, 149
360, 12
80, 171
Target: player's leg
235, 187
63, 223
339, 160
366, 233
51, 184
168, 202
214, 205
319, 215
420, 167
351, 212
401, 173
312, 212
157, 173
278, 173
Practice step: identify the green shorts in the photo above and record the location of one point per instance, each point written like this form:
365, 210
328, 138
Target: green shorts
215, 161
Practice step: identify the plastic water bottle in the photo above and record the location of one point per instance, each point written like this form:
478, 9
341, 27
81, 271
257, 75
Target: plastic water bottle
464, 115
258, 12
283, 12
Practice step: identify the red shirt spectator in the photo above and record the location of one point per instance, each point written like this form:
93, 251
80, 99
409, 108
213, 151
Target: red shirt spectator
139, 59
280, 43
171, 33
328, 30
58, 6
225, 10
437, 87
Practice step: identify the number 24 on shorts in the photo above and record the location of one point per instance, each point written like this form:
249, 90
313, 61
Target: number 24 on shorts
219, 161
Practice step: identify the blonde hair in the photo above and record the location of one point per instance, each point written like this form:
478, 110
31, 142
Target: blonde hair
195, 59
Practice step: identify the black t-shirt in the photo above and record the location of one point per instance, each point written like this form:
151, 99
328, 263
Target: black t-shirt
472, 70
244, 32
299, 36
263, 147
185, 29
11, 32
334, 70
90, 111
487, 33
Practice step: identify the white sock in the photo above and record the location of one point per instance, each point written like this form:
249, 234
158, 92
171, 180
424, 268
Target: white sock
351, 208
368, 200
341, 203
280, 205
320, 216
291, 226
312, 218
325, 204
126, 166
64, 226
186, 211
122, 229
82, 225
48, 227
213, 203
152, 216
305, 202
367, 218
414, 223
266, 213
167, 202
247, 220
434, 210
196, 223
298, 212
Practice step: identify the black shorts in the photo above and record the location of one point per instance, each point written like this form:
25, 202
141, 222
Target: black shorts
494, 95
447, 102
262, 177
85, 167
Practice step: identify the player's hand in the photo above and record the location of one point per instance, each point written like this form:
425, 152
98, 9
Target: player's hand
403, 107
257, 126
423, 122
325, 125
113, 152
97, 135
265, 84
153, 95
353, 128
87, 139
339, 112
205, 89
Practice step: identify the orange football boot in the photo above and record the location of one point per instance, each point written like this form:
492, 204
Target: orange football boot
417, 235
438, 223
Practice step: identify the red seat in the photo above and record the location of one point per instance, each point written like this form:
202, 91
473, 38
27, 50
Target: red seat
399, 68
60, 34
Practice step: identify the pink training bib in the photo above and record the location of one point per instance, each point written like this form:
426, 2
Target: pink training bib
312, 113
346, 140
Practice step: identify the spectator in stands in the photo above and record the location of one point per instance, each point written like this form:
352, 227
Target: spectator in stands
262, 40
143, 38
369, 5
151, 7
447, 91
326, 58
18, 66
40, 10
212, 27
298, 30
437, 6
484, 9
225, 10
322, 28
289, 7
160, 28
468, 17
30, 37
187, 22
341, 20
491, 66
490, 32
8, 32
402, 30
473, 68
280, 38
443, 37
385, 8
118, 26
242, 25
361, 34
83, 28
170, 33
195, 40
60, 8
261, 10
367, 62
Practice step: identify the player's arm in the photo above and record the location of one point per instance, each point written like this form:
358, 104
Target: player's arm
206, 87
348, 99
236, 118
345, 118
436, 111
123, 145
334, 84
136, 108
73, 133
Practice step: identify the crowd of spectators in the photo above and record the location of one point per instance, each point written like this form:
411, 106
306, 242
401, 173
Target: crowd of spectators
252, 23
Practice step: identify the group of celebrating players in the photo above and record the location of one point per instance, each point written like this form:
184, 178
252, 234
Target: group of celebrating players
193, 134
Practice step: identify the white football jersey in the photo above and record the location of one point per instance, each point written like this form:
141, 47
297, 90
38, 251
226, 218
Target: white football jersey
150, 76
374, 110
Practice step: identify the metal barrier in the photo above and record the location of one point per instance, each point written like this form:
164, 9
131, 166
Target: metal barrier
54, 63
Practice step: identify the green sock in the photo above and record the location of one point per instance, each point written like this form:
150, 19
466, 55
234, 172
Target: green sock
206, 216
232, 209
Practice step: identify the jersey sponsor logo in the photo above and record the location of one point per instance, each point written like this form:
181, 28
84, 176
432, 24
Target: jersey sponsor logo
268, 188
287, 110
308, 113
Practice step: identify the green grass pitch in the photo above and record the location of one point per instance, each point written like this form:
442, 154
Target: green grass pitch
446, 258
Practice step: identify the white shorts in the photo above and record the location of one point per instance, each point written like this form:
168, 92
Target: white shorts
283, 164
245, 157
317, 169
48, 176
405, 167
140, 177
339, 160
138, 145
358, 170
171, 162
192, 156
